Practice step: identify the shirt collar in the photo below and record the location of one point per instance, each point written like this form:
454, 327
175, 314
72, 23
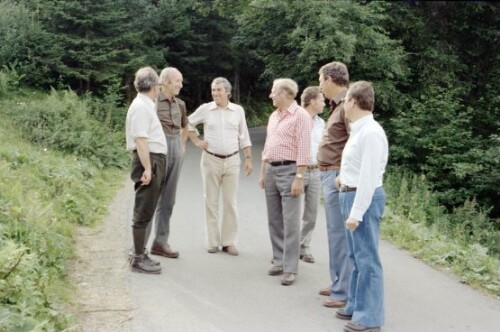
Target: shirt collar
162, 97
292, 108
337, 99
358, 124
213, 106
146, 99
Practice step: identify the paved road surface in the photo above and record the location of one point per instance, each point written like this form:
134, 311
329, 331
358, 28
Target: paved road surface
217, 292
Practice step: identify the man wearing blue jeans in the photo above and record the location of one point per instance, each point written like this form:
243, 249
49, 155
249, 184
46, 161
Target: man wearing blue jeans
362, 200
333, 82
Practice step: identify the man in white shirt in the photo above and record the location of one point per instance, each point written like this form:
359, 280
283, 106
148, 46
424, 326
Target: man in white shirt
225, 133
145, 139
362, 201
313, 101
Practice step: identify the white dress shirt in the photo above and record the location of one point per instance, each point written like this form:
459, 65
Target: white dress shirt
225, 129
363, 162
316, 136
142, 122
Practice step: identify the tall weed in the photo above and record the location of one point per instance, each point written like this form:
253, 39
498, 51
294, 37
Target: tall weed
464, 241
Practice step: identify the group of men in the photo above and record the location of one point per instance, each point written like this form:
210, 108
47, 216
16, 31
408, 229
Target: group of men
346, 156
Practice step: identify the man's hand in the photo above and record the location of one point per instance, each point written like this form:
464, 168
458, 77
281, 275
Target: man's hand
203, 145
297, 187
146, 177
248, 166
351, 224
337, 182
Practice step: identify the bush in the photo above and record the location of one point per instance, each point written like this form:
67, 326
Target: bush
62, 121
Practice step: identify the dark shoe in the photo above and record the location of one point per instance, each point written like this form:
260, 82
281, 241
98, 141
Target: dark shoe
288, 278
231, 250
355, 327
149, 260
333, 304
212, 250
163, 250
308, 258
276, 271
325, 291
342, 314
139, 264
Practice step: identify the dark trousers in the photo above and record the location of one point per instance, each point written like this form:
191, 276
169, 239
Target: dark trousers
146, 197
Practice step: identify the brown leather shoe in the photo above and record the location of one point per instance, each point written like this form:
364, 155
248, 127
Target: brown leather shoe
342, 314
212, 250
276, 271
288, 278
231, 250
325, 291
333, 304
163, 250
355, 327
308, 258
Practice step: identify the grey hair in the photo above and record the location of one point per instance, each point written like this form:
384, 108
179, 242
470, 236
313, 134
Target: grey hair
145, 79
288, 85
167, 73
224, 82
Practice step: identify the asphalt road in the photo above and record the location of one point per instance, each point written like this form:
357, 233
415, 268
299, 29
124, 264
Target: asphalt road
217, 292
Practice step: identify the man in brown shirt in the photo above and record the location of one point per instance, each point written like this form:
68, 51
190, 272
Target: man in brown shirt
173, 117
333, 82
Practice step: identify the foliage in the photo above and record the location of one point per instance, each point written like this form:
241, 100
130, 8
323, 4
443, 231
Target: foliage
465, 241
42, 196
62, 121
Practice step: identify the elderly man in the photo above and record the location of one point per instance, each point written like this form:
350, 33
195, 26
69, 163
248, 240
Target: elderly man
145, 139
313, 101
285, 158
173, 117
333, 82
362, 200
225, 132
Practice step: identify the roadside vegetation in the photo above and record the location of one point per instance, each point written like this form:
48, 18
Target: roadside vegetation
66, 80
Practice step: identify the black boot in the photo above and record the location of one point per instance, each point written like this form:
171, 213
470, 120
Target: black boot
140, 264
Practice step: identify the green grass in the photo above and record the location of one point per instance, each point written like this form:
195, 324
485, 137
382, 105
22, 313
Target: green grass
464, 242
44, 194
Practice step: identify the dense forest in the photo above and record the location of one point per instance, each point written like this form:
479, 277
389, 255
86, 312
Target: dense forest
66, 72
435, 65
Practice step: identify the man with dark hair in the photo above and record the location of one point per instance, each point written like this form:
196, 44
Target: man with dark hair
173, 117
362, 199
313, 101
225, 133
333, 82
145, 139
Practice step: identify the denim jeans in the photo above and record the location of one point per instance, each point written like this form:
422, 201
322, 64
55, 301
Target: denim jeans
340, 267
366, 289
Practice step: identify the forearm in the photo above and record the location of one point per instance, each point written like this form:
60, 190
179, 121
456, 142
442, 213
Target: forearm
143, 152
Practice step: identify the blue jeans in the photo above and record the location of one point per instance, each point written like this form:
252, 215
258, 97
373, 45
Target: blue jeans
366, 289
340, 267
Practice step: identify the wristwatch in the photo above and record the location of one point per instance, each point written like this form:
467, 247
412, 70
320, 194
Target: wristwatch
299, 176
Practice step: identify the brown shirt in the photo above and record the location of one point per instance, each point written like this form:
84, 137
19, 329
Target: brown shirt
335, 134
172, 114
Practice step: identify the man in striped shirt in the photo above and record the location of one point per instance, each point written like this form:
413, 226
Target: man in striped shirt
285, 158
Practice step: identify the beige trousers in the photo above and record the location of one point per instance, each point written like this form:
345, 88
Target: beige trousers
220, 175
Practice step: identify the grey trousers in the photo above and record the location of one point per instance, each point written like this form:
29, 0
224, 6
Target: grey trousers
312, 190
283, 213
166, 201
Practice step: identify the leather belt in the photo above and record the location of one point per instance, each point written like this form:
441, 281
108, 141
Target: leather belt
346, 188
312, 167
220, 155
327, 167
281, 163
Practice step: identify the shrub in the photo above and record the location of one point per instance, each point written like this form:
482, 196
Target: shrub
62, 122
